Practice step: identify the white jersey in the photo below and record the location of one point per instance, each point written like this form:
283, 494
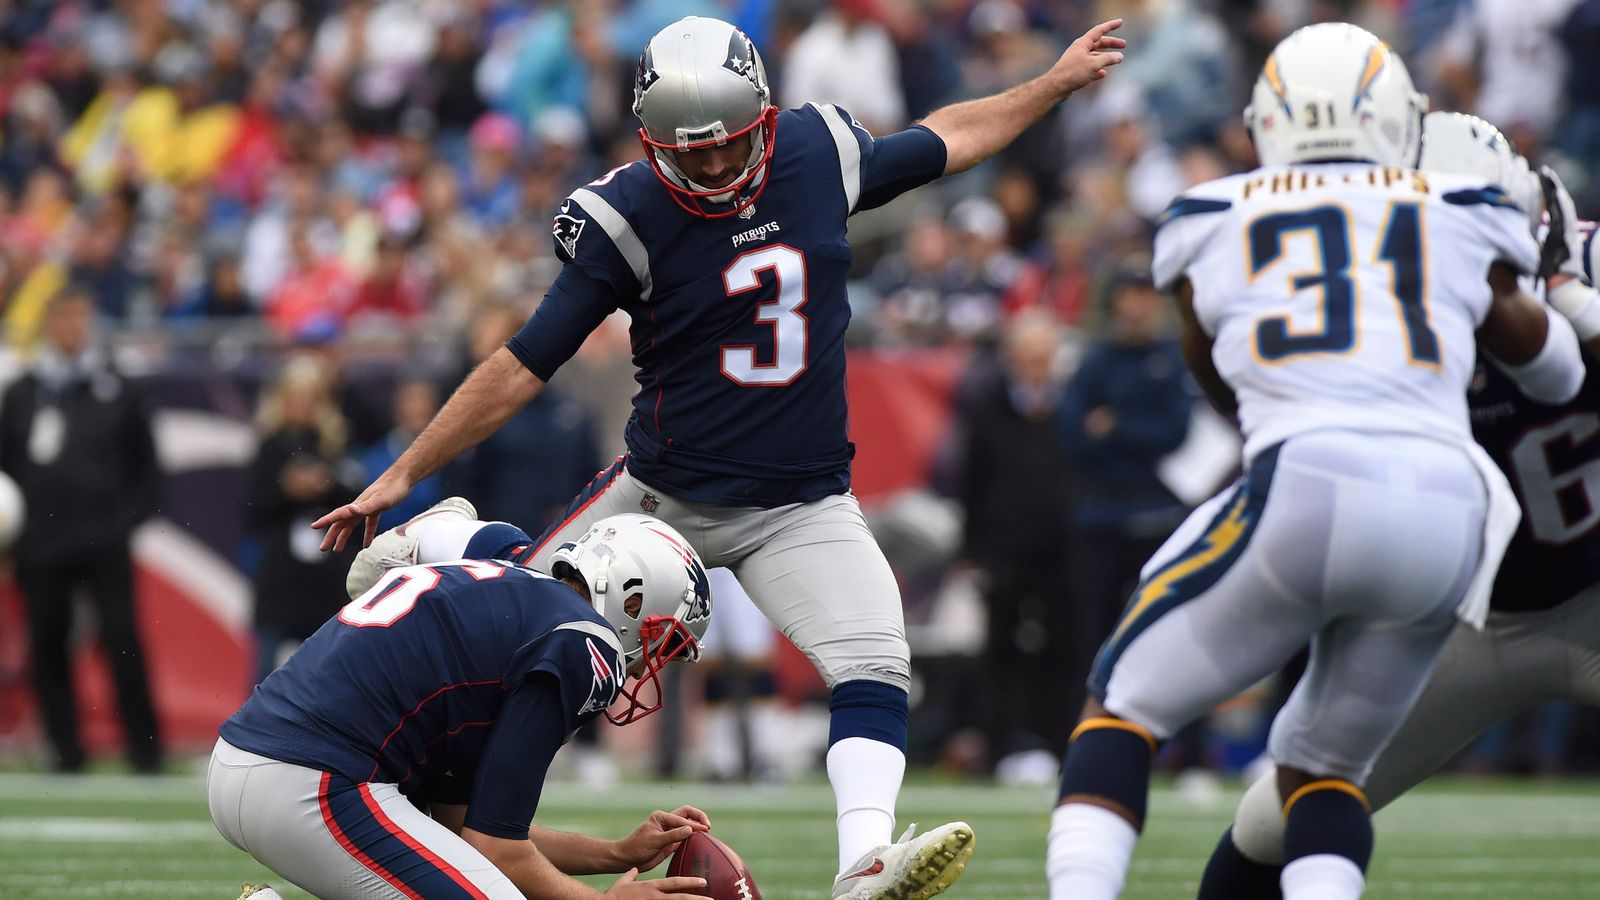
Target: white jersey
1343, 295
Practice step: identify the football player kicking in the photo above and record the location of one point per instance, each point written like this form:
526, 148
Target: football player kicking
726, 246
1541, 643
1332, 299
449, 688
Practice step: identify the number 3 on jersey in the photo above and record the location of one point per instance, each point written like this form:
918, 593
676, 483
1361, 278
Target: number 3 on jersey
741, 362
1400, 247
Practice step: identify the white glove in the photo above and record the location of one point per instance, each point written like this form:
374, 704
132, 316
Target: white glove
1562, 253
397, 547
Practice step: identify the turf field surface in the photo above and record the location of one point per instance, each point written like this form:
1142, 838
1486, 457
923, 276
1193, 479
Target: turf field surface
119, 836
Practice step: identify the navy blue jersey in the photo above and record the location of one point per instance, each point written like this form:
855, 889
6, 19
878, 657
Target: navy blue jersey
468, 673
1551, 454
738, 323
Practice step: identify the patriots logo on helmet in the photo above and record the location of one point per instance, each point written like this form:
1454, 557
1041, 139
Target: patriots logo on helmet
566, 230
741, 58
647, 74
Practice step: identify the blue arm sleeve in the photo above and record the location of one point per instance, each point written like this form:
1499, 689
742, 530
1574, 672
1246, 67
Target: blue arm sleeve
510, 778
574, 306
496, 540
896, 163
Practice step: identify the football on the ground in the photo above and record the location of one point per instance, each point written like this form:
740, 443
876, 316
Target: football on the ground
704, 856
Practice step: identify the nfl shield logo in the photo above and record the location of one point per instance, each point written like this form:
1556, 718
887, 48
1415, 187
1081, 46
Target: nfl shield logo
650, 503
748, 212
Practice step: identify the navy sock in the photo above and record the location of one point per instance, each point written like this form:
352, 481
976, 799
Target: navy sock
1111, 762
1330, 817
868, 709
1230, 875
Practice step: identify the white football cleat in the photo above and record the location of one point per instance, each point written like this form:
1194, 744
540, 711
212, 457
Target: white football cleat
259, 892
910, 868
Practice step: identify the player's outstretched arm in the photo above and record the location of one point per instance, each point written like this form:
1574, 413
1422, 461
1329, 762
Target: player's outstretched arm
535, 875
978, 129
490, 396
643, 849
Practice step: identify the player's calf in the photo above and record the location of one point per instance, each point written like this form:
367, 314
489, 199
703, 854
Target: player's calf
1105, 783
1231, 875
1327, 840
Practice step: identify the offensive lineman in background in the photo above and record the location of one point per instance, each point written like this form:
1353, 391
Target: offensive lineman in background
1341, 330
1541, 643
726, 246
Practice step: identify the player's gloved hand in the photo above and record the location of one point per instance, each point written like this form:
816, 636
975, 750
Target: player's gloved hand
397, 547
630, 887
660, 835
1562, 253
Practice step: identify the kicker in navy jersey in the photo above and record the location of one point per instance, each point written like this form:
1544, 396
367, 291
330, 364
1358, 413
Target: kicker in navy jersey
738, 322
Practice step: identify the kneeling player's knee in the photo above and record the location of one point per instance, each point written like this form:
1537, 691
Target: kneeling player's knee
1258, 825
1108, 764
868, 709
1327, 816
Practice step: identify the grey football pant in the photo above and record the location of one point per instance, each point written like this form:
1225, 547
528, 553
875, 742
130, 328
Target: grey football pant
814, 570
1519, 661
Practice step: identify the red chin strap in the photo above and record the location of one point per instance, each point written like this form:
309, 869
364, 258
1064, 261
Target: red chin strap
665, 639
695, 203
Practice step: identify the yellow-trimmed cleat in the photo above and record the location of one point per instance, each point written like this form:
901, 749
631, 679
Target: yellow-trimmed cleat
910, 868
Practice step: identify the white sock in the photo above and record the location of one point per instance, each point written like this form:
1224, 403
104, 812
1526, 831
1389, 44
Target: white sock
866, 777
1088, 853
1323, 876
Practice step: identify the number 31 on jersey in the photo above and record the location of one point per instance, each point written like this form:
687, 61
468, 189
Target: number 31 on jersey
1400, 248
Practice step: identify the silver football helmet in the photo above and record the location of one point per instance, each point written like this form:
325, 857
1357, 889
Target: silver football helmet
1333, 91
651, 586
701, 84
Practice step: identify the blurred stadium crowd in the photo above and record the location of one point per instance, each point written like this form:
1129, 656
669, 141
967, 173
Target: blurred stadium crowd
310, 191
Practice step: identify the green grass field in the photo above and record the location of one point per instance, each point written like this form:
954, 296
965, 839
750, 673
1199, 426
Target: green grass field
115, 836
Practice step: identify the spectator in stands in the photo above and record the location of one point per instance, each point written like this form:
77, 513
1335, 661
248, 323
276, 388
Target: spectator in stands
317, 292
847, 58
415, 402
76, 437
1062, 281
300, 469
526, 472
1486, 63
1010, 485
1126, 407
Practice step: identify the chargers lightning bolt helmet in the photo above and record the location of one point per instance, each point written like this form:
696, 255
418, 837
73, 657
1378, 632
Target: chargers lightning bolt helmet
701, 84
1335, 92
1467, 145
651, 586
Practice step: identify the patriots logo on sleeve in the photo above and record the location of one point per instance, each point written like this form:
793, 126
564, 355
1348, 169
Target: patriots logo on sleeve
566, 230
608, 676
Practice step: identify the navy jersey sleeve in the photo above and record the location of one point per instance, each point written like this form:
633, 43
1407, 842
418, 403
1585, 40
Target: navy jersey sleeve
528, 731
574, 306
884, 167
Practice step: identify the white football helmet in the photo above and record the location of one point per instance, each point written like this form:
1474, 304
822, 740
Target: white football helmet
1467, 145
701, 83
1335, 92
651, 586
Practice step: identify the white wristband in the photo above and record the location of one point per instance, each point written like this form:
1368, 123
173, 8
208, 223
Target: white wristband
1579, 304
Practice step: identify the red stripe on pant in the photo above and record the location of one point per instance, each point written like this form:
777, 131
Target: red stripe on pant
388, 825
579, 511
350, 847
